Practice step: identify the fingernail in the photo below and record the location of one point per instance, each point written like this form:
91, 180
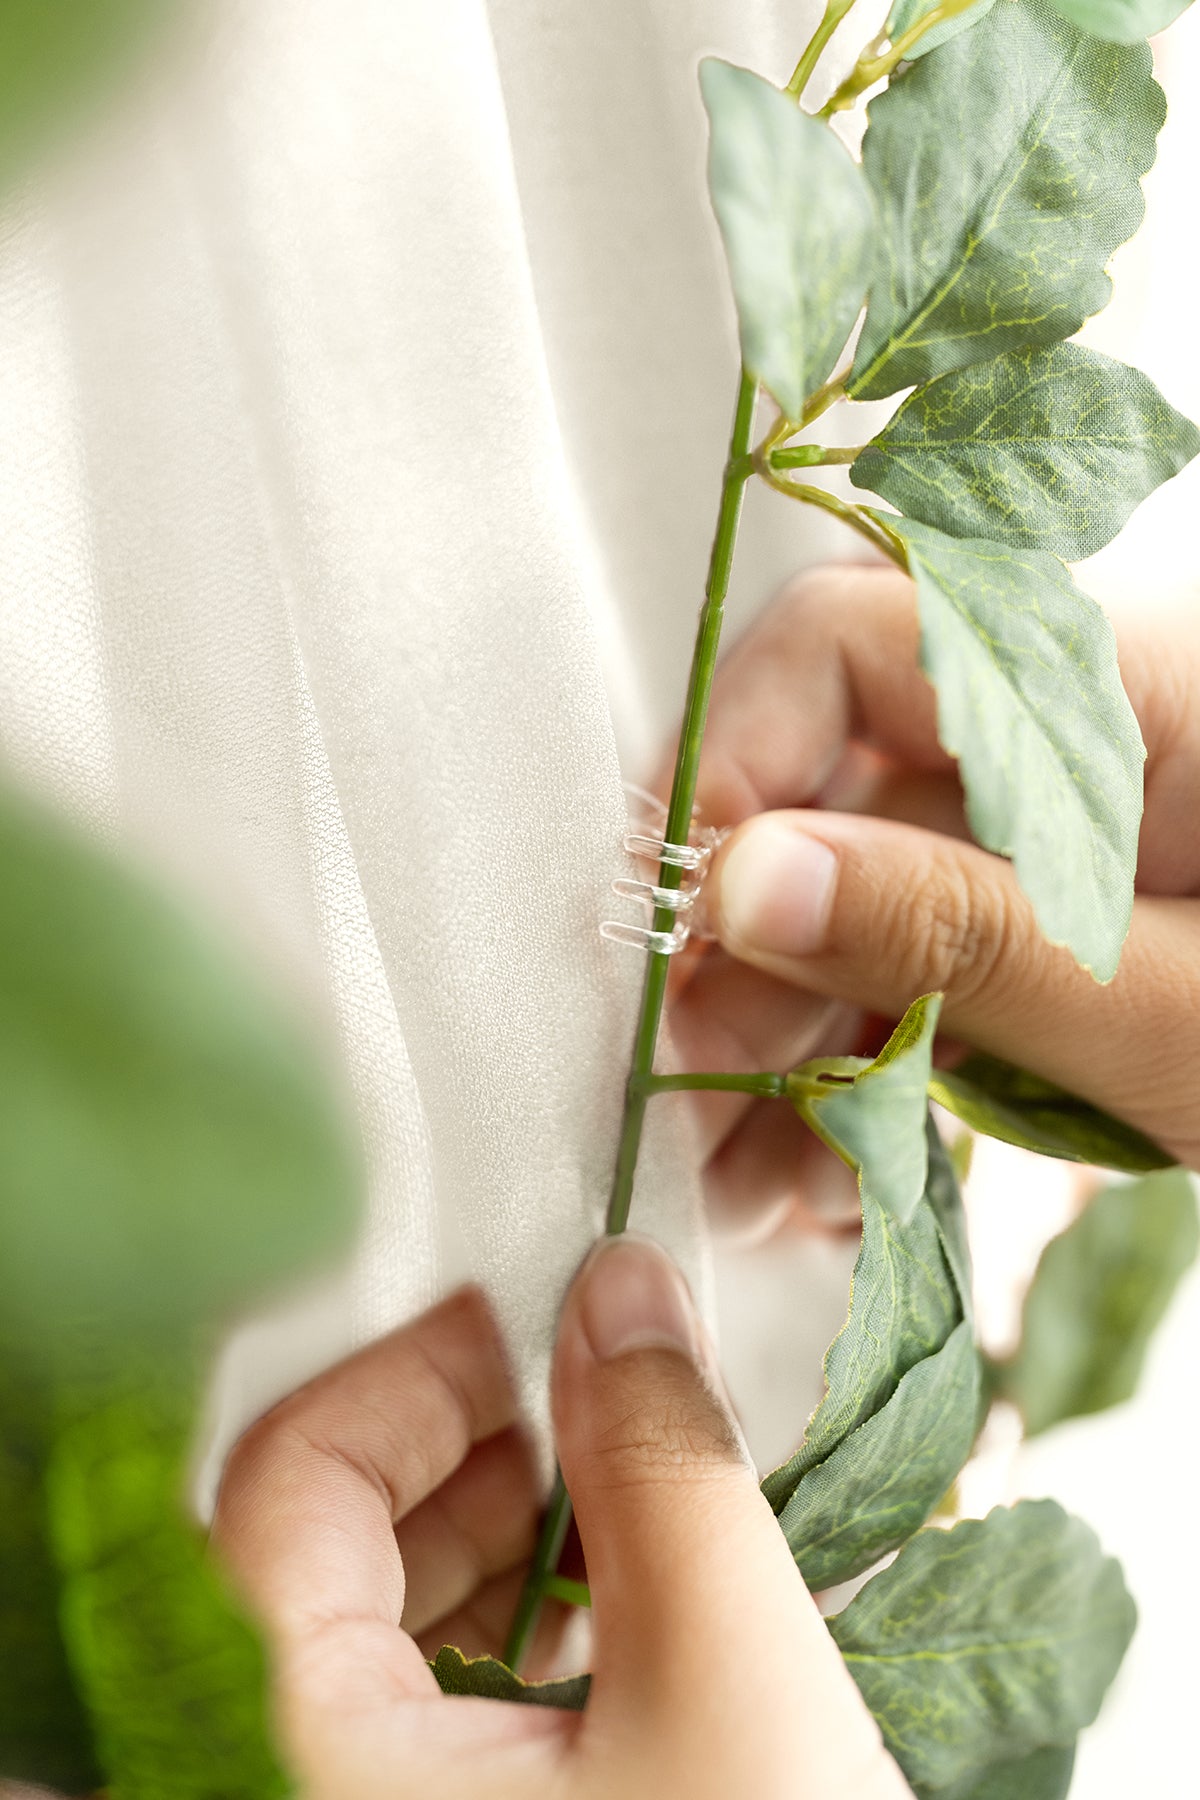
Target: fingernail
632, 1297
776, 890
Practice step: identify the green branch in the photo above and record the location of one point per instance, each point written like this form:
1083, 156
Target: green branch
856, 517
835, 12
870, 68
763, 1087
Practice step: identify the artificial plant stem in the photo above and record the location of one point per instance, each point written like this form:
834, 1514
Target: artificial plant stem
683, 796
738, 469
813, 456
835, 12
764, 1087
853, 516
869, 68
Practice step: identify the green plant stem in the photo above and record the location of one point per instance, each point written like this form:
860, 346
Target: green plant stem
813, 456
835, 12
854, 516
764, 1087
572, 1593
738, 469
870, 68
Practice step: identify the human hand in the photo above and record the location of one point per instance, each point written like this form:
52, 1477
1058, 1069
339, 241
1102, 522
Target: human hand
875, 893
381, 1510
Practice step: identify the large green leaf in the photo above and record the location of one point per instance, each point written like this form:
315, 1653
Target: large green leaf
52, 53
980, 1645
1042, 1775
907, 13
1122, 21
883, 1481
907, 1298
1019, 1108
494, 1680
173, 1676
1006, 170
1051, 448
872, 1114
797, 221
1100, 1291
1030, 701
168, 1145
45, 1731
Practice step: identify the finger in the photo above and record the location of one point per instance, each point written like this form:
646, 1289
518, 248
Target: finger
773, 1174
742, 1021
834, 660
312, 1492
480, 1523
700, 1616
877, 912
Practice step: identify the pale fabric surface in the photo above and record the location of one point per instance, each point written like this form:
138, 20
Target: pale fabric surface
363, 397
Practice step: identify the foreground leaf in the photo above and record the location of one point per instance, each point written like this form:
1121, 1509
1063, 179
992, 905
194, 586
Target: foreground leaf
1052, 448
1122, 21
1004, 635
1042, 1775
906, 1302
1006, 171
1100, 1292
872, 1114
797, 221
980, 1645
168, 1145
1020, 1108
45, 1731
883, 1481
907, 13
485, 1675
174, 1678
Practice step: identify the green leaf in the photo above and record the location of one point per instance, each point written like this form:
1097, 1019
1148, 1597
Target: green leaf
1005, 635
980, 1645
1050, 448
53, 53
45, 1731
872, 1114
458, 1674
906, 1302
796, 217
1042, 1775
907, 13
164, 1658
883, 1481
169, 1149
1122, 21
1100, 1291
1006, 171
1019, 1108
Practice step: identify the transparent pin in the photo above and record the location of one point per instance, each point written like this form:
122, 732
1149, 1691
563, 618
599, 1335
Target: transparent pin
646, 839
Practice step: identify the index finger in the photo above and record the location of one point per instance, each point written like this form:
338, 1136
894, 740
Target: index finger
312, 1493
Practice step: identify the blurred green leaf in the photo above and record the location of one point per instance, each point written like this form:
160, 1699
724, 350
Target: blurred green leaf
169, 1151
485, 1675
1009, 1103
981, 1645
1099, 1293
174, 1678
1006, 171
905, 1305
53, 54
884, 1480
1122, 21
1042, 1775
45, 1730
797, 221
1050, 448
907, 13
1004, 635
872, 1114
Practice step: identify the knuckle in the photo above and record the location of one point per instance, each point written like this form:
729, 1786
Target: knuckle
967, 931
681, 1435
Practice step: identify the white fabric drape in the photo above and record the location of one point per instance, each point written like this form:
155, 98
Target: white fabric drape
364, 392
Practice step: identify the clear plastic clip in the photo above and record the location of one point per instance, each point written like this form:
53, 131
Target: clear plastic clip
646, 839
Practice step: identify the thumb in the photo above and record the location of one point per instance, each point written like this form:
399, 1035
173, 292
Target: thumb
701, 1619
